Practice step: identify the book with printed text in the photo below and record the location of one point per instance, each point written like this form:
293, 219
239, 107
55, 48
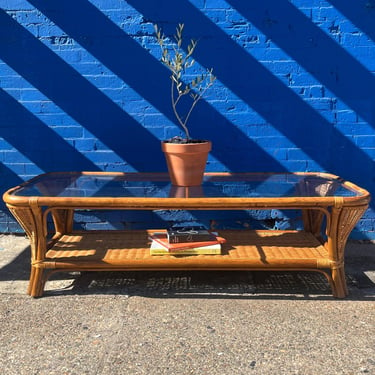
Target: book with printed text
158, 249
162, 239
193, 233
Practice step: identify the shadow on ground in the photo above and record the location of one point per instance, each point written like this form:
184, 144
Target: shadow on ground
213, 284
360, 273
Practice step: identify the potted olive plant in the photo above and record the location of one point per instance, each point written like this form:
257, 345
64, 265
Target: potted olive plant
186, 157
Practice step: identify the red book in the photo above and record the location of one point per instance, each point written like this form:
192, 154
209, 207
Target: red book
162, 239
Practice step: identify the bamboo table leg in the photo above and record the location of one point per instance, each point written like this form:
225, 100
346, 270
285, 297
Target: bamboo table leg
63, 220
32, 221
342, 222
313, 220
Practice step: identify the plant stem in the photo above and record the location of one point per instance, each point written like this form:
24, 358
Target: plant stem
177, 63
174, 104
195, 103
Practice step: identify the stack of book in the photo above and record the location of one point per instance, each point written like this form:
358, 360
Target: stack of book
188, 240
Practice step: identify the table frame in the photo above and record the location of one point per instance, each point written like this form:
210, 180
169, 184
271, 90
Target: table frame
341, 213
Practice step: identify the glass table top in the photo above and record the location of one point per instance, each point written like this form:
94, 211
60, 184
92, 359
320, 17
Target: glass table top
155, 185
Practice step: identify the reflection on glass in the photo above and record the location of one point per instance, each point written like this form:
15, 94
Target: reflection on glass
159, 186
186, 192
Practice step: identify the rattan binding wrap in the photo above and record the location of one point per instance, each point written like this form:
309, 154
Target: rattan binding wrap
328, 219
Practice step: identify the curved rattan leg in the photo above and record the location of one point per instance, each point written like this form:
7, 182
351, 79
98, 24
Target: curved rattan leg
339, 288
31, 281
36, 283
343, 277
343, 220
63, 220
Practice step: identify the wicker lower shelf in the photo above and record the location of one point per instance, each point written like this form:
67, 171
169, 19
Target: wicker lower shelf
129, 250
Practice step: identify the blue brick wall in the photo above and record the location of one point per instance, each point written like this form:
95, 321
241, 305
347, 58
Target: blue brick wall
81, 87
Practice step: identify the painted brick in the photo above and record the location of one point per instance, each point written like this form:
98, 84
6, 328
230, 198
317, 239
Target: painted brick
56, 119
366, 141
17, 168
283, 67
5, 146
346, 117
296, 154
70, 55
217, 16
366, 56
277, 153
10, 157
16, 5
85, 144
136, 107
102, 157
11, 82
355, 39
295, 165
217, 4
313, 166
356, 128
245, 118
370, 152
30, 17
273, 142
155, 120
31, 170
69, 132
261, 130
260, 78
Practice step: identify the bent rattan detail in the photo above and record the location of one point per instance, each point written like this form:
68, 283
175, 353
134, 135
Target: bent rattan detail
330, 209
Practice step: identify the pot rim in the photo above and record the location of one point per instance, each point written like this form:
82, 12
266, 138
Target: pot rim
186, 147
193, 142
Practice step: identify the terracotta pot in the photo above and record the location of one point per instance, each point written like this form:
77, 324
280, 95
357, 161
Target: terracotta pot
186, 162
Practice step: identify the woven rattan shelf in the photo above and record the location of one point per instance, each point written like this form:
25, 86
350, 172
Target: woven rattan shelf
330, 208
243, 249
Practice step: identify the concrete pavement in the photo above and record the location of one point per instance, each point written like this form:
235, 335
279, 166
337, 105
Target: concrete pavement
186, 323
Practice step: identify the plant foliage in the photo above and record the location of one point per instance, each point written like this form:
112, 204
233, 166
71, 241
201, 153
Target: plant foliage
178, 61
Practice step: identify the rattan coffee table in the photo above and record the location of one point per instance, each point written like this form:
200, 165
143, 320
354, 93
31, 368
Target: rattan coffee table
330, 209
